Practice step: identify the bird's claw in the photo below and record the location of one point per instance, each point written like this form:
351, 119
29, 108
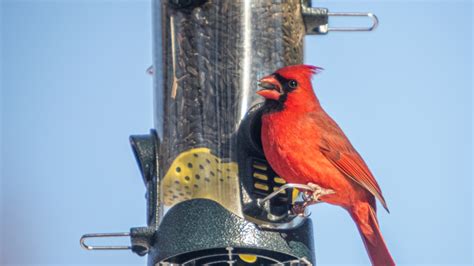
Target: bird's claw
310, 197
299, 209
317, 192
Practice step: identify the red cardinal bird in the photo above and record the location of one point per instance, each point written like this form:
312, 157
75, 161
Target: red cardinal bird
304, 145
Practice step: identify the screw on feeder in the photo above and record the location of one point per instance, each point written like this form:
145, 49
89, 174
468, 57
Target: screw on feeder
229, 253
150, 70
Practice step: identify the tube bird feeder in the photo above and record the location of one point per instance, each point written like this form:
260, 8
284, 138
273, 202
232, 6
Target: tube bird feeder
212, 198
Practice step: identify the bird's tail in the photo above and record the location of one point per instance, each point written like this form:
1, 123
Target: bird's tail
366, 220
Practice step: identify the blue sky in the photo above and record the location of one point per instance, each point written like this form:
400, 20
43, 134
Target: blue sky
74, 88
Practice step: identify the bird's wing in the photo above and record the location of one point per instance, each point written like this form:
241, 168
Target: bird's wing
338, 149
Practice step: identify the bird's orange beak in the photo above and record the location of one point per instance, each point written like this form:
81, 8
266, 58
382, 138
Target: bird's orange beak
271, 88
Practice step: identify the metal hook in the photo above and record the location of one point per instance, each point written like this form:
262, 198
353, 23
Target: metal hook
375, 21
150, 70
104, 235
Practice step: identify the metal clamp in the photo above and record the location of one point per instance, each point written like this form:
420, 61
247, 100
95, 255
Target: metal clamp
104, 235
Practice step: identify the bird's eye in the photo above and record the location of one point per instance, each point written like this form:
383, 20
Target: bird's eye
292, 83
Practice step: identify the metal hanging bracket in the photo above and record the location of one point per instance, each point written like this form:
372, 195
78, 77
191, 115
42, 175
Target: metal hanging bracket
316, 20
104, 235
140, 238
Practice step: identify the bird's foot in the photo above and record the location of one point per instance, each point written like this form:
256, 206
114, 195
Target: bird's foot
299, 209
310, 197
317, 192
